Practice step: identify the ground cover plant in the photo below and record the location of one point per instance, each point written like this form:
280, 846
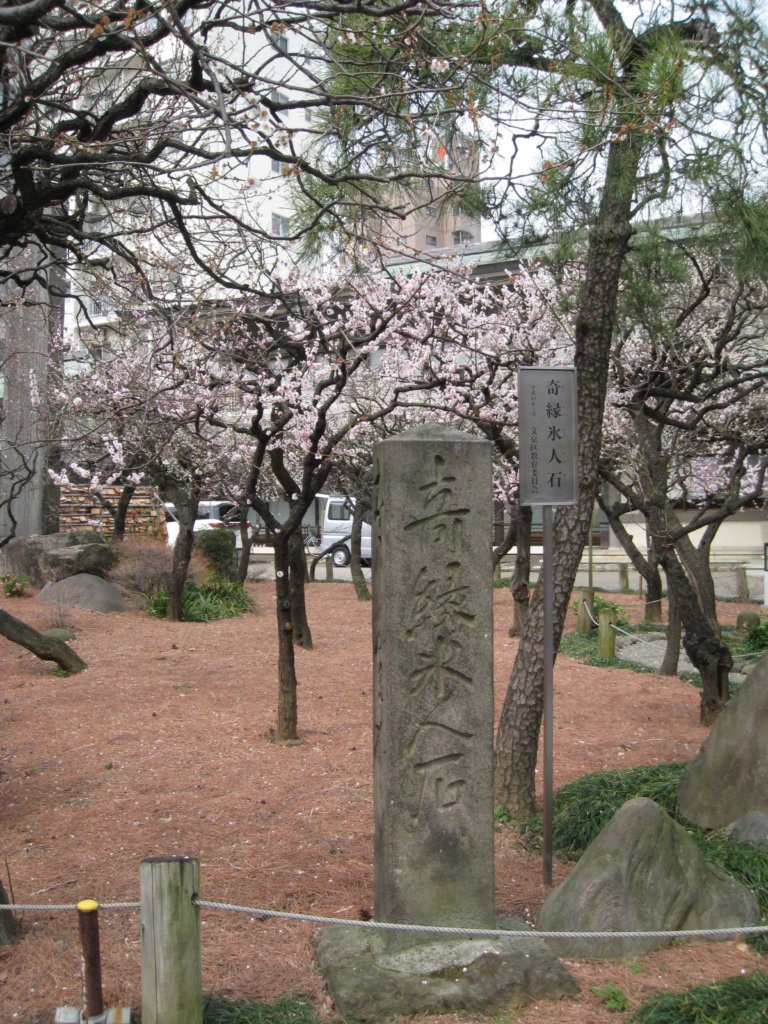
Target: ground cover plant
214, 598
289, 1010
741, 1000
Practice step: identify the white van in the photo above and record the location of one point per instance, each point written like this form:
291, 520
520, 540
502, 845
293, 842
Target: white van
337, 525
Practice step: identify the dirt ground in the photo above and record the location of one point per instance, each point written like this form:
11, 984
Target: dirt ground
163, 747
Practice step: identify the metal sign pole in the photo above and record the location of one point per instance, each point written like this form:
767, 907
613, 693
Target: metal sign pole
548, 476
549, 658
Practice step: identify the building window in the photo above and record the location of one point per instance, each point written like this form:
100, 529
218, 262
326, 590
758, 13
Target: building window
460, 237
280, 39
432, 240
276, 165
278, 96
431, 211
281, 226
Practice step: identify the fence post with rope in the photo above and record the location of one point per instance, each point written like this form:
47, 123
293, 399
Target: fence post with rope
606, 634
171, 978
585, 621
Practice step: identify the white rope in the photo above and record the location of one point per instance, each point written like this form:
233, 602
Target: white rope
263, 914
499, 933
65, 906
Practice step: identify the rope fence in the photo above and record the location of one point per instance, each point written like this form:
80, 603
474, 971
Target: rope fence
656, 646
171, 972
264, 914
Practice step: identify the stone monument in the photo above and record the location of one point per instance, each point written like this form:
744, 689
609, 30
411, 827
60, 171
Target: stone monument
433, 749
433, 680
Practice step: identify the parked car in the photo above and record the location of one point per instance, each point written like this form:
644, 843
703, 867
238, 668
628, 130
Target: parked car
337, 525
211, 515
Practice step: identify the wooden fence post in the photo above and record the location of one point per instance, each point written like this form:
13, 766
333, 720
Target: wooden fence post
606, 634
329, 570
171, 982
585, 616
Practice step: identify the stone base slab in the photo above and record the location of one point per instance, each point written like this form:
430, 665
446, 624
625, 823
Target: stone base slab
372, 976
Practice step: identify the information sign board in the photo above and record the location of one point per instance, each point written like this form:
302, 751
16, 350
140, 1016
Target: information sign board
548, 435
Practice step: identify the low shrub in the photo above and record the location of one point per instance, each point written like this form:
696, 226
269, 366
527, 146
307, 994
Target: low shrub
217, 547
145, 564
739, 1000
213, 599
14, 586
600, 604
756, 638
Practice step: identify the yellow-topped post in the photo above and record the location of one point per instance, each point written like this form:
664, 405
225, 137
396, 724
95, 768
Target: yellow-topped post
88, 922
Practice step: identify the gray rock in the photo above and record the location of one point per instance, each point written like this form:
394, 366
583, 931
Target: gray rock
89, 592
729, 775
372, 978
44, 558
751, 827
643, 872
59, 633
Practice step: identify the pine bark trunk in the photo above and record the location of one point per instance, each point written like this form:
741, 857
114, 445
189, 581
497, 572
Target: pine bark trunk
518, 731
519, 585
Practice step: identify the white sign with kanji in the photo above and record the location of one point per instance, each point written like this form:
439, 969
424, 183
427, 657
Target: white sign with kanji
548, 435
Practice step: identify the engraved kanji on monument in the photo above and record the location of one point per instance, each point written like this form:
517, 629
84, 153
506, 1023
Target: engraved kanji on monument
433, 679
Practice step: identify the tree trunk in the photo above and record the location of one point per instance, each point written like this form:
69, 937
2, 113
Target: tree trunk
519, 585
9, 925
518, 732
287, 716
121, 512
672, 653
43, 647
702, 644
241, 574
186, 511
302, 635
653, 595
648, 568
358, 580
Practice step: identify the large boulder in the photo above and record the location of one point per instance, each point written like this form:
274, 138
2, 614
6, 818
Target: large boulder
643, 872
44, 558
729, 775
89, 592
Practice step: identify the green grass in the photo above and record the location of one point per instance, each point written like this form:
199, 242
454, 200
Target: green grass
287, 1010
583, 807
740, 1000
583, 647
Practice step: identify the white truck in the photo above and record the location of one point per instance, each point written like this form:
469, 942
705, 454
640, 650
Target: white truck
337, 526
